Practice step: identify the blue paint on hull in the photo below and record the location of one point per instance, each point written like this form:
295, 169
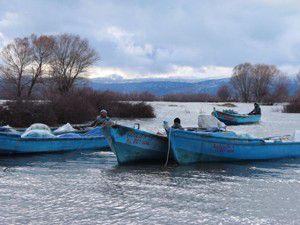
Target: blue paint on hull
191, 147
236, 119
14, 144
133, 146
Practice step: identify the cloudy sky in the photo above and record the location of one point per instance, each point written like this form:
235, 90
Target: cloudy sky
167, 38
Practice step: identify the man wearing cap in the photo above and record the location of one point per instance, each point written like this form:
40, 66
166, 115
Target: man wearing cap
101, 120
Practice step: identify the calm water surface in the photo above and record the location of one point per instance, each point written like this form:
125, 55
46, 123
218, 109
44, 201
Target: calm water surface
90, 188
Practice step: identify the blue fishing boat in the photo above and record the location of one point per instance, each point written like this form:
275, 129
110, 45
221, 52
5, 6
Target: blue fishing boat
192, 147
132, 145
11, 143
235, 118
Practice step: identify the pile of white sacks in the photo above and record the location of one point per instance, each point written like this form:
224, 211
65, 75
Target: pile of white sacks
39, 130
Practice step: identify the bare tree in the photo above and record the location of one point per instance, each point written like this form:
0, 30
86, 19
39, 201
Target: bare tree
262, 79
242, 80
281, 88
298, 78
224, 93
42, 48
71, 58
16, 58
254, 82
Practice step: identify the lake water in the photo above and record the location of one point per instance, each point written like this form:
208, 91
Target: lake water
90, 188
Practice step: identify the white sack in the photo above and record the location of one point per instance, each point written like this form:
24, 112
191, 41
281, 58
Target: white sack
65, 128
38, 126
37, 134
209, 122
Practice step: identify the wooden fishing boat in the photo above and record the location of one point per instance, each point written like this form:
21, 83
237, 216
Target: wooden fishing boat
132, 145
15, 144
235, 118
192, 147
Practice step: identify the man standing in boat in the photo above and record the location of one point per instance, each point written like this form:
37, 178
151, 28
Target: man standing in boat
256, 110
102, 119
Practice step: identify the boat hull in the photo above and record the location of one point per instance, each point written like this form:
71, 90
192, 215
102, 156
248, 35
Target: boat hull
191, 147
14, 144
236, 119
133, 146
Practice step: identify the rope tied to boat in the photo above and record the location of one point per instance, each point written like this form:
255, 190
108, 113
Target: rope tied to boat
169, 147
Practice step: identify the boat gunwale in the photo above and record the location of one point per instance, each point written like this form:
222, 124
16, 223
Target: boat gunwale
236, 115
116, 126
241, 141
17, 137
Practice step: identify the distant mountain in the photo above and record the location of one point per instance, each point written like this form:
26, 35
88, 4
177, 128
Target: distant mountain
161, 87
158, 87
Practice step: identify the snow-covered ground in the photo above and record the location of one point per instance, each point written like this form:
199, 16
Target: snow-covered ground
273, 123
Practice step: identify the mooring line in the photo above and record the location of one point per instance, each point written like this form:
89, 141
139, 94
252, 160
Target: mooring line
169, 147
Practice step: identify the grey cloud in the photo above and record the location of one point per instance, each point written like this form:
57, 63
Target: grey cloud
159, 34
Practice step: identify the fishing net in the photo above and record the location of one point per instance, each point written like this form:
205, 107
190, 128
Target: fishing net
70, 135
65, 128
96, 132
38, 126
37, 134
8, 129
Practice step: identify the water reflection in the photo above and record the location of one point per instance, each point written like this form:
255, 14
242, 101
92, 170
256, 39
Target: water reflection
93, 183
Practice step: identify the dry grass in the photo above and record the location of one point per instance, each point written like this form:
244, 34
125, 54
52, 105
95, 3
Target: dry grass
78, 106
293, 106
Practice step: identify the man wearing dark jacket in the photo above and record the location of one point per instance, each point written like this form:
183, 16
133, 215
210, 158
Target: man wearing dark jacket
256, 110
177, 124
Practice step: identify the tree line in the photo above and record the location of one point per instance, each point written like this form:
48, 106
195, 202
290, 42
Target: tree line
53, 68
55, 61
256, 83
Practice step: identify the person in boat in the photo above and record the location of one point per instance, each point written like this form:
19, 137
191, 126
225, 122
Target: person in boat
102, 119
177, 124
256, 110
